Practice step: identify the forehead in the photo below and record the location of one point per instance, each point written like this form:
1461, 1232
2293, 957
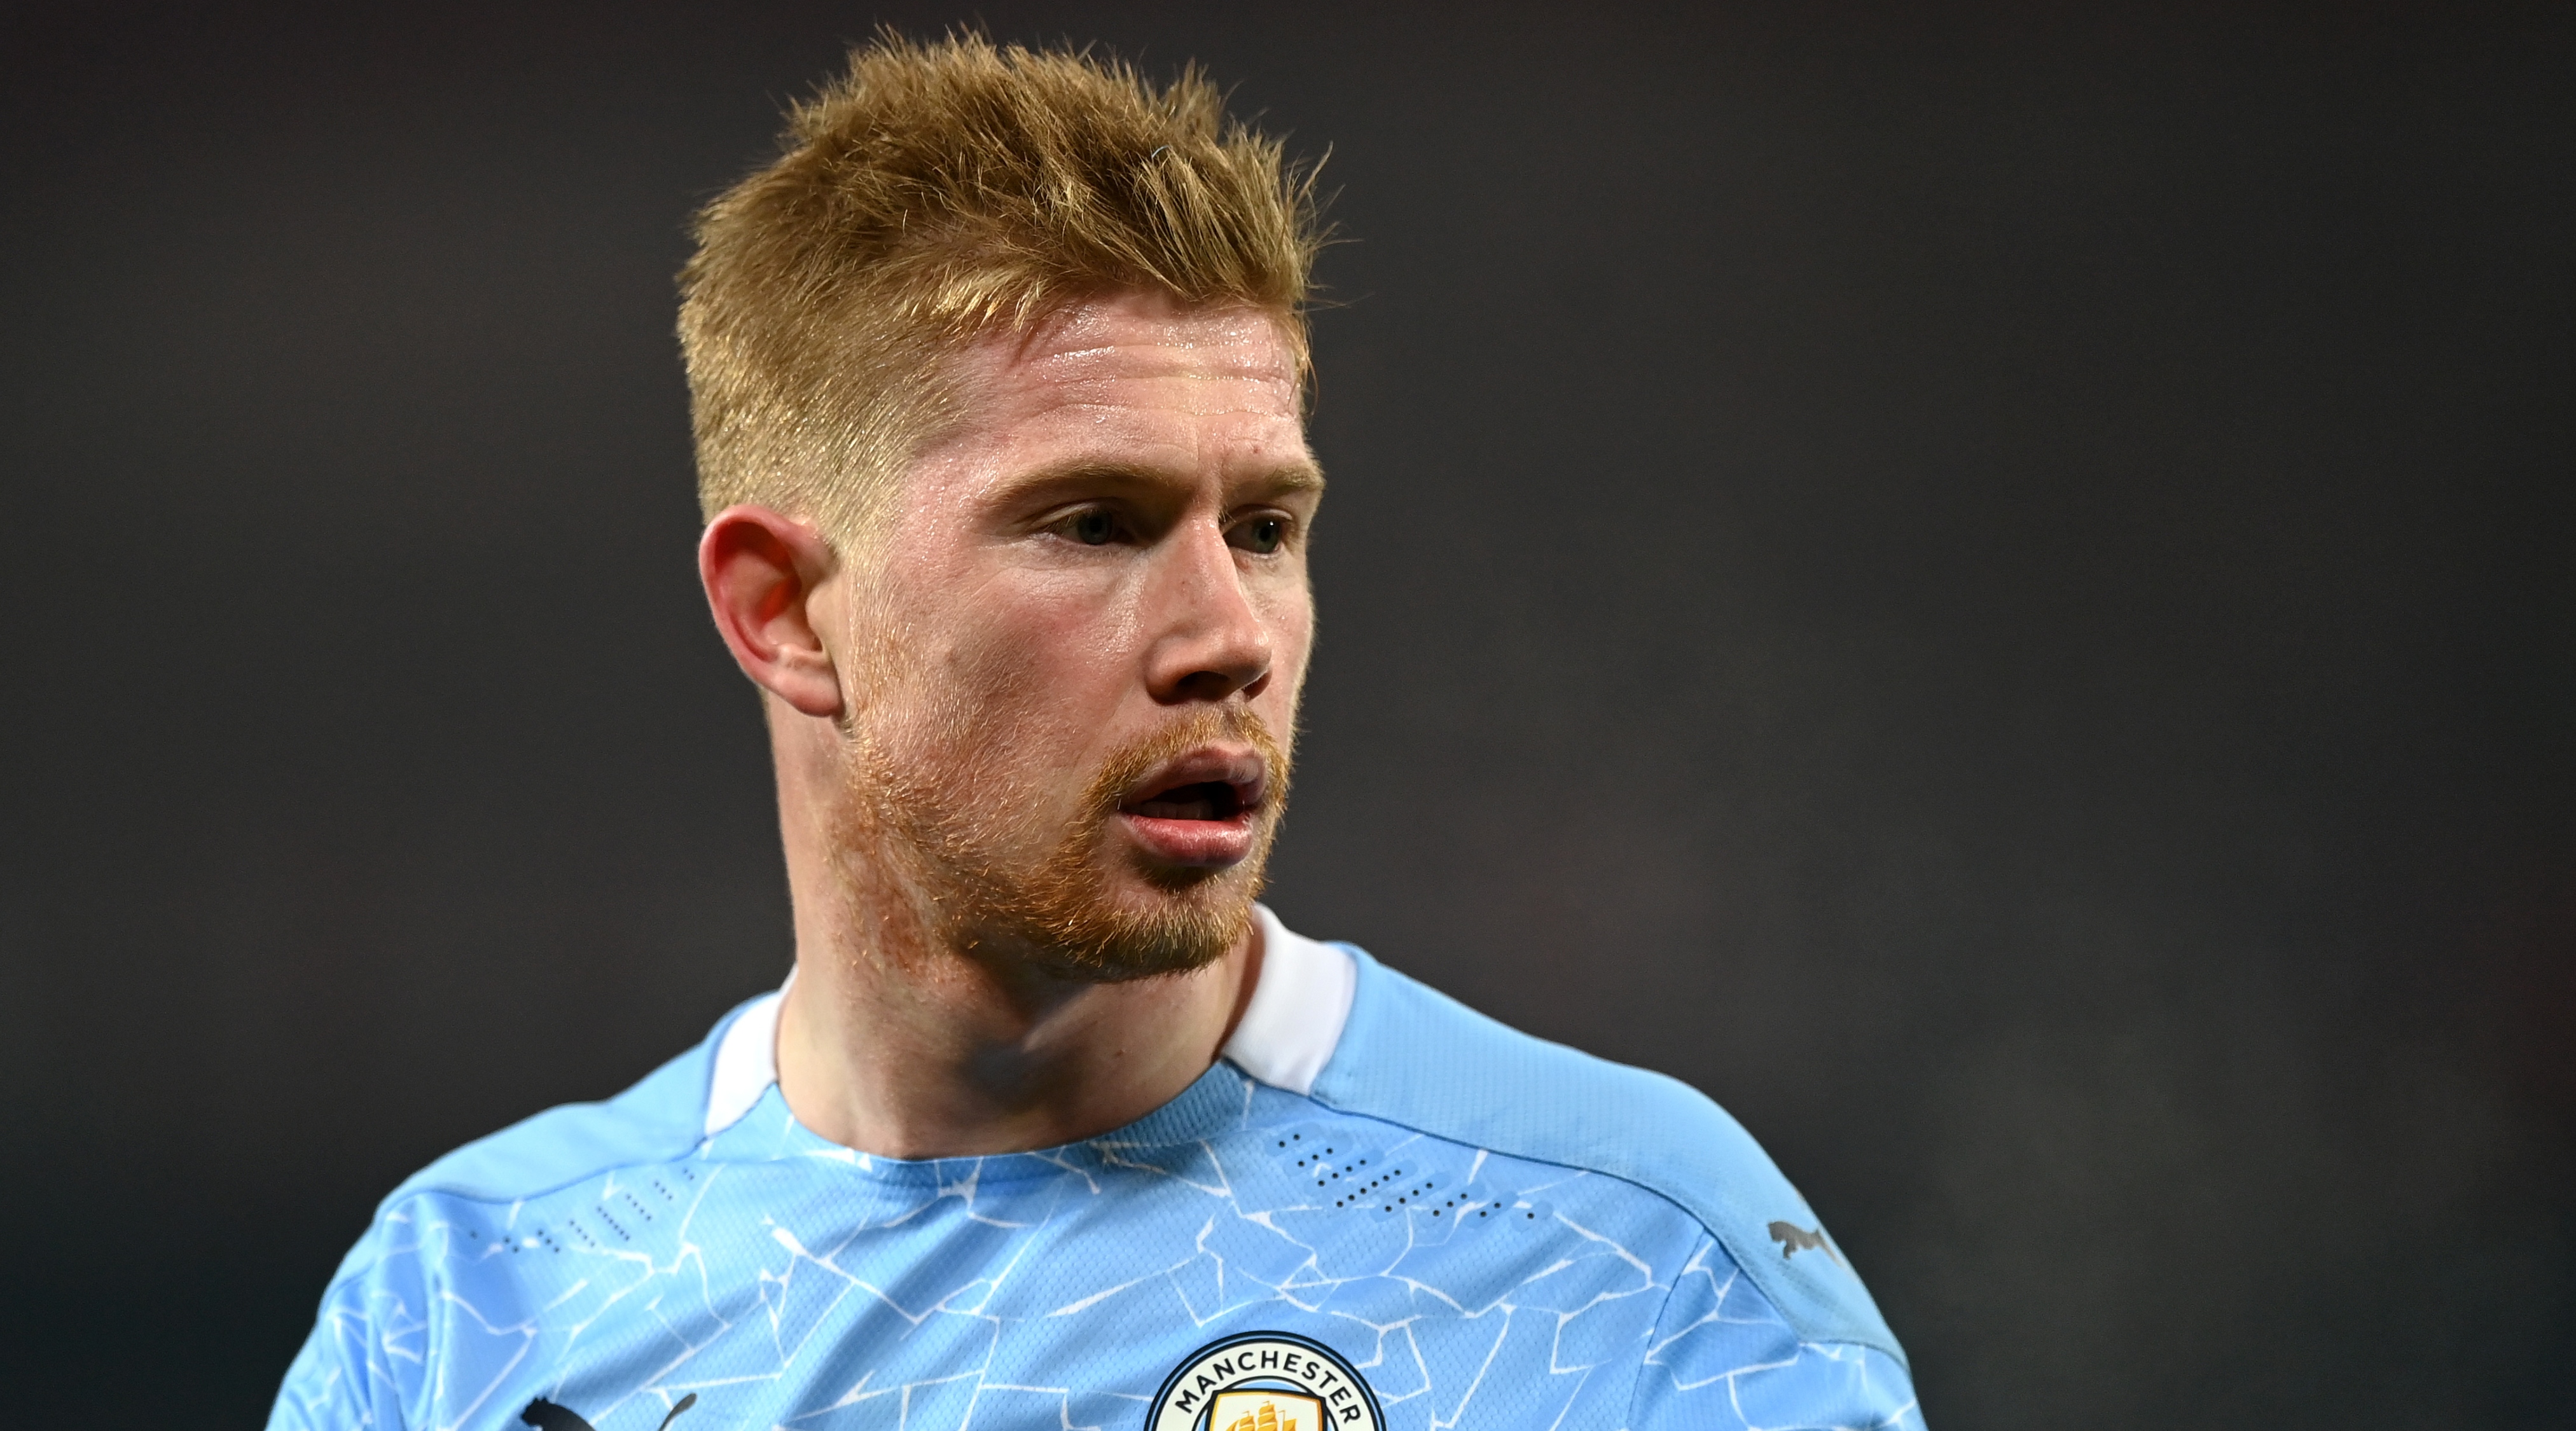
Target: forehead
1134, 369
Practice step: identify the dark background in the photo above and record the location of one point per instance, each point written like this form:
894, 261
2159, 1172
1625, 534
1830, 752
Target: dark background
1991, 587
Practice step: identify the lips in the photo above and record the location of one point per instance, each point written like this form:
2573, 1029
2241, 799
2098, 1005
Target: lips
1198, 809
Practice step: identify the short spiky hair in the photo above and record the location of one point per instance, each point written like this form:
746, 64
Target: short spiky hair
936, 193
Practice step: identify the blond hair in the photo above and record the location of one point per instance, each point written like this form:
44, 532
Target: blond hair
937, 193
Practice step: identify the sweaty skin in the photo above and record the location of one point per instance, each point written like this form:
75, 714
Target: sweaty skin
1108, 547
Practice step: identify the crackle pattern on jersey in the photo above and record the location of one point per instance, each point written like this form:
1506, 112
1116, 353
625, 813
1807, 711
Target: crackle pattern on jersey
784, 1281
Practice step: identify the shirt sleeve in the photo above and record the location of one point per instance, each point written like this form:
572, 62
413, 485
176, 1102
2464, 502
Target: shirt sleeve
362, 1365
1721, 1358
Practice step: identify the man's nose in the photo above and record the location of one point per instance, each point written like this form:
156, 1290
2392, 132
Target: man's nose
1210, 640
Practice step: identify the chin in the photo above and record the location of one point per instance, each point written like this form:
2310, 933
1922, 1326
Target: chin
1142, 924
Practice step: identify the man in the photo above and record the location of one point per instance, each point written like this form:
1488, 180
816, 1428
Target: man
998, 378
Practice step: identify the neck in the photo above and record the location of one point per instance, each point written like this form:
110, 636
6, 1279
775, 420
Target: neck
895, 1044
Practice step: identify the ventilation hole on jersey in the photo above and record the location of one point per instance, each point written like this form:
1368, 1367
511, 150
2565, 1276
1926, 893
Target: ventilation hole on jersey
640, 1209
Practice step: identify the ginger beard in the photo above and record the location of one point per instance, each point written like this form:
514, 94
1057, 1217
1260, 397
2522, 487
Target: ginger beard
940, 809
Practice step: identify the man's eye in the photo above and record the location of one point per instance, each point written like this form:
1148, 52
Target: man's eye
1094, 528
1262, 535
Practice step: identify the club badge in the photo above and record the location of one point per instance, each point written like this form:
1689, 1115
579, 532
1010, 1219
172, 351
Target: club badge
1264, 1381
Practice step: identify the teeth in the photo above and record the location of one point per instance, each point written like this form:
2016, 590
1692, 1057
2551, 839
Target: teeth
1178, 809
1189, 802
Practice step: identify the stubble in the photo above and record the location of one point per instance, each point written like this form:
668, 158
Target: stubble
934, 815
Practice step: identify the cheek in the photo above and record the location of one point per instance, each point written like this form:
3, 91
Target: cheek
1025, 659
1290, 624
1289, 614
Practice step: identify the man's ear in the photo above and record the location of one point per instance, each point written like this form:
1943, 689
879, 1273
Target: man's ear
761, 571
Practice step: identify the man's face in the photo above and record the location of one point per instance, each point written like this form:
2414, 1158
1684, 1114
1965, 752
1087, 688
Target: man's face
1085, 624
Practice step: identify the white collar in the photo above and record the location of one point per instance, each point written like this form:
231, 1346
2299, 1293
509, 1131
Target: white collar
1287, 1033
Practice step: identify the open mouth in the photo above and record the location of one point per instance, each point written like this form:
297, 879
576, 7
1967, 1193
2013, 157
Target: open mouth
1198, 810
1201, 800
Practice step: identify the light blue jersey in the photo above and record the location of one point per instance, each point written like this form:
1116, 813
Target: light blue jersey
1380, 1208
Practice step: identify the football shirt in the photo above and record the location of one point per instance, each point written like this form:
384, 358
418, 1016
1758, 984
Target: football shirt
1377, 1210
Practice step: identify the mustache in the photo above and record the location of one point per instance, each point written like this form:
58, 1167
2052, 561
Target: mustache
1186, 732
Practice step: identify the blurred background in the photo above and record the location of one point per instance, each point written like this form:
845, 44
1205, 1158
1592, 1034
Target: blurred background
1990, 585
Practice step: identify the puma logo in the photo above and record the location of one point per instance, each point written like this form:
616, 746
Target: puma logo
546, 1416
1794, 1239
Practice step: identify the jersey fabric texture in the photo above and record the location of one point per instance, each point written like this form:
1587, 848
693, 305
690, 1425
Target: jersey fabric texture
1491, 1231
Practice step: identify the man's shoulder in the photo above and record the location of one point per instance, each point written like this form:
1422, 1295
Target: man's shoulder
1413, 1056
659, 1118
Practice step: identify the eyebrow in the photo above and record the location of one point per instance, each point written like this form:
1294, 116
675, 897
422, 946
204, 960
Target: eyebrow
1302, 477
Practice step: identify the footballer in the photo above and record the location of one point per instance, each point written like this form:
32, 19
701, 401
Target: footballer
998, 377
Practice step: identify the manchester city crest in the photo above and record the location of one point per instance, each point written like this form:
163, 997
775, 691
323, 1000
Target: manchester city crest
1264, 1381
